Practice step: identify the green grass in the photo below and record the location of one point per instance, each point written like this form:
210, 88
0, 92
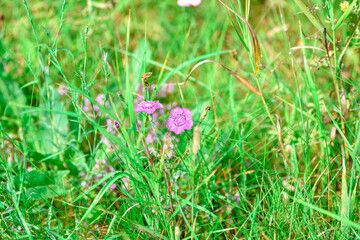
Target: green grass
276, 157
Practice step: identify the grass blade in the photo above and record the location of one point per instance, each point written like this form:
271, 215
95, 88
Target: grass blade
254, 38
345, 15
241, 80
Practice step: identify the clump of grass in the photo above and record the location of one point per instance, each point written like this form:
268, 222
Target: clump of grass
271, 153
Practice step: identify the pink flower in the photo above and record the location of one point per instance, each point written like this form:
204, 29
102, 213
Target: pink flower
86, 104
188, 3
62, 91
148, 107
179, 120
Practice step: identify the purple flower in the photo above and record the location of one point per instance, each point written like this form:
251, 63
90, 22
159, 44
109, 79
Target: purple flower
62, 91
188, 3
86, 104
117, 125
148, 107
100, 99
179, 120
149, 138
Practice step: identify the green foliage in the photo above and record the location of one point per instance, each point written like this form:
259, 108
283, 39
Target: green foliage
278, 162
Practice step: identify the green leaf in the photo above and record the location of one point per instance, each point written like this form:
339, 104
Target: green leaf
44, 185
11, 98
345, 15
53, 126
310, 16
36, 178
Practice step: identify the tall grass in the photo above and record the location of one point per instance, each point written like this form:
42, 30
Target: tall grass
274, 150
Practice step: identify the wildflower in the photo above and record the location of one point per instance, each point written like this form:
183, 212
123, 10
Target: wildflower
229, 208
179, 120
105, 141
344, 6
117, 125
188, 3
236, 197
62, 91
86, 104
100, 99
148, 107
166, 89
149, 138
126, 182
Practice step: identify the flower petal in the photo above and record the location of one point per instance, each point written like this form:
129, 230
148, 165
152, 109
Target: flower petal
158, 105
178, 130
195, 2
188, 125
86, 102
138, 107
176, 111
170, 124
183, 3
187, 113
149, 110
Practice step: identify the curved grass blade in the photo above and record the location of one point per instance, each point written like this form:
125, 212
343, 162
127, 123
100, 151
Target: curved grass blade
307, 47
253, 36
177, 69
243, 81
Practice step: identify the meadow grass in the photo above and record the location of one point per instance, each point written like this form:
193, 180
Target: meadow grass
274, 93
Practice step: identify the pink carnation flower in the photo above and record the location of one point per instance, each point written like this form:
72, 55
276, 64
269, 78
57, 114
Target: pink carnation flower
148, 107
188, 3
179, 120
